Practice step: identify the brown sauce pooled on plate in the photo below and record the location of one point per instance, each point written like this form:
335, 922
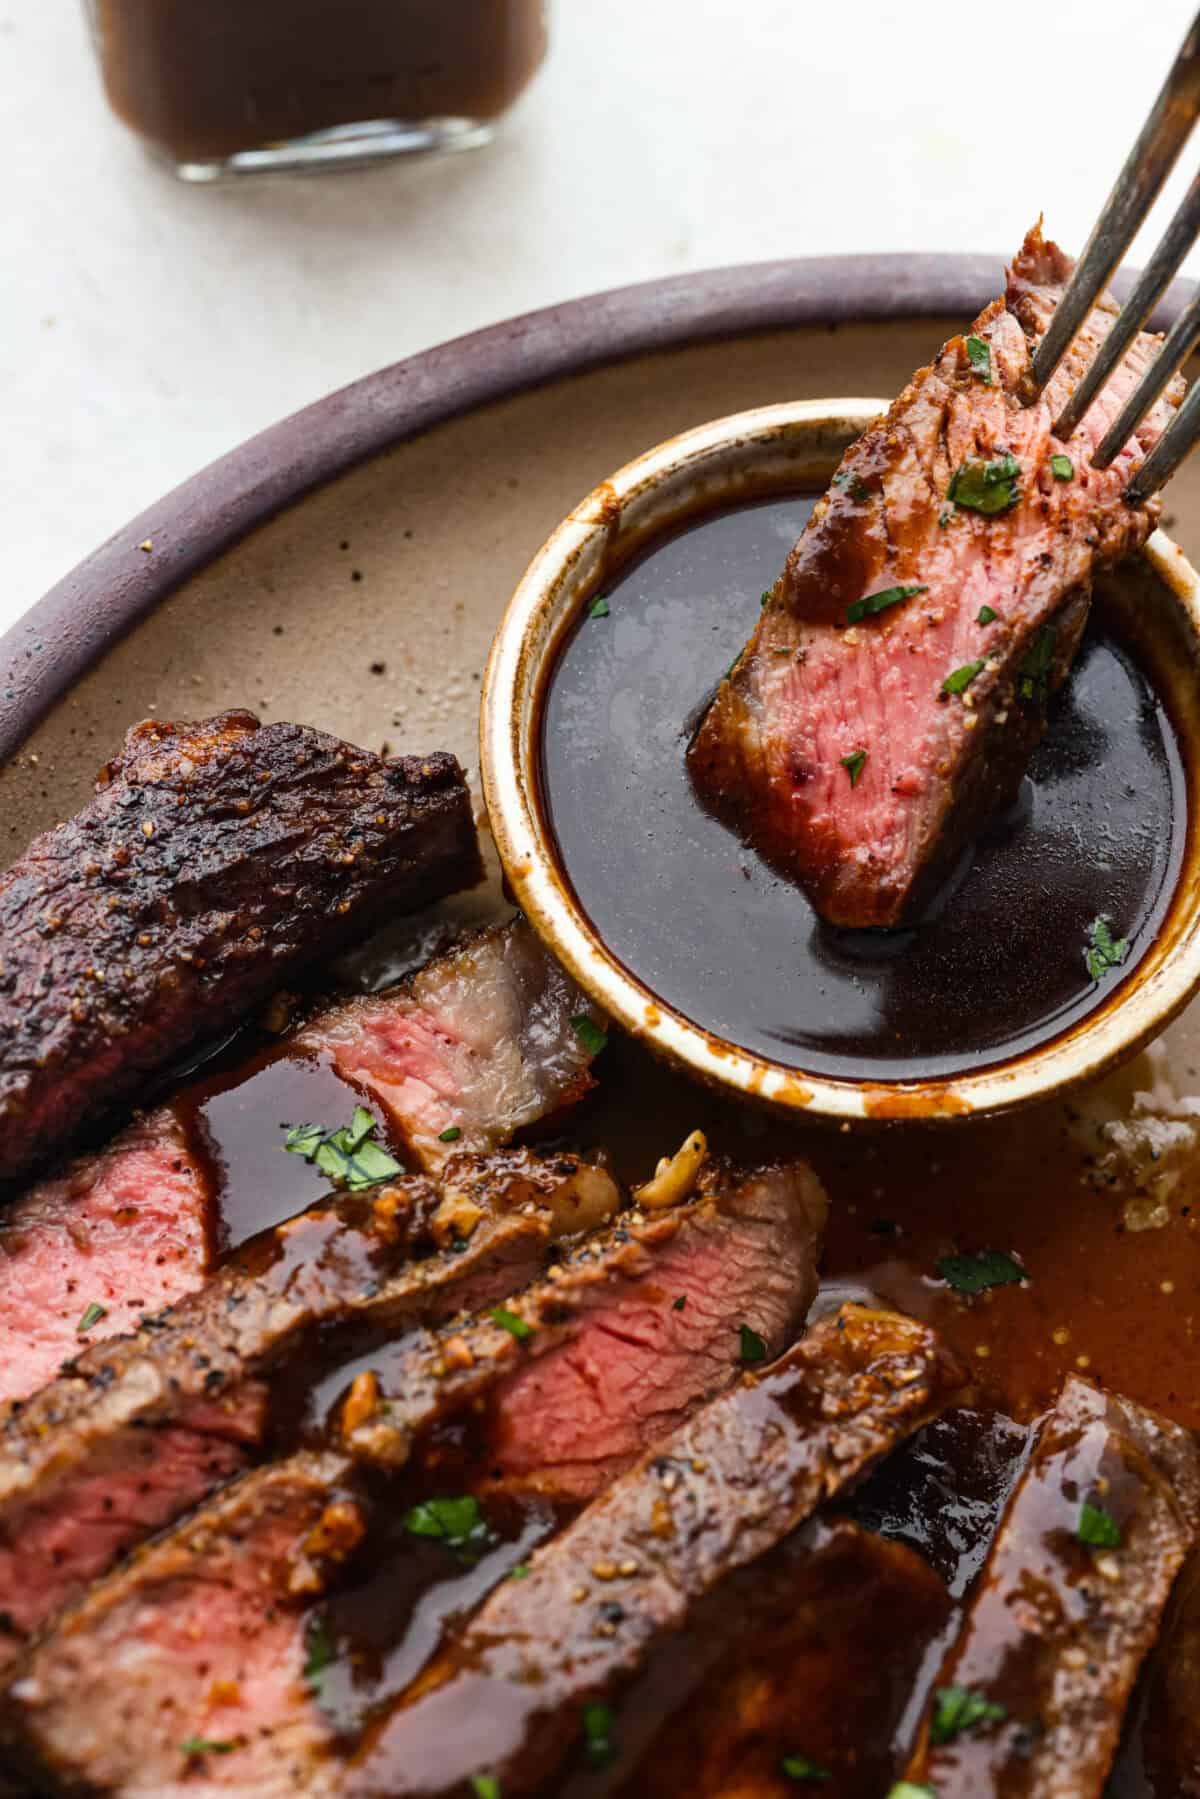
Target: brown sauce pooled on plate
999, 963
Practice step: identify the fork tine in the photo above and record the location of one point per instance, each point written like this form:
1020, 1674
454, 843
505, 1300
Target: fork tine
1152, 284
1173, 446
1150, 161
1178, 345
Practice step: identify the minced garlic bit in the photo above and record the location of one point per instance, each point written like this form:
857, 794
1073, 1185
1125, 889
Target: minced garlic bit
361, 1401
674, 1177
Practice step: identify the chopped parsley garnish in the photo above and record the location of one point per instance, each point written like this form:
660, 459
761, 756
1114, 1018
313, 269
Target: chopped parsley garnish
485, 1786
451, 1134
799, 1767
1035, 670
853, 765
510, 1322
960, 678
766, 598
751, 1347
677, 1305
1062, 468
589, 1033
349, 1157
598, 609
976, 1273
455, 1521
979, 355
986, 616
318, 1650
597, 1734
879, 602
1103, 952
908, 1789
957, 1709
94, 1313
1097, 1528
986, 486
197, 1746
520, 1572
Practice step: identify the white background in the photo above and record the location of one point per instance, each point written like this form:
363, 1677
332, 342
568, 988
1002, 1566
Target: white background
145, 326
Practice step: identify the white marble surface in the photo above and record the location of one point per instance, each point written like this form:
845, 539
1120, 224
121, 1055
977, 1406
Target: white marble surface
145, 326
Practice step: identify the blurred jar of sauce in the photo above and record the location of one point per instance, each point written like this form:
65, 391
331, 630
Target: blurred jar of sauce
222, 87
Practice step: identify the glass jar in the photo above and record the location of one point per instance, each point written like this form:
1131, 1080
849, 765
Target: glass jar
227, 87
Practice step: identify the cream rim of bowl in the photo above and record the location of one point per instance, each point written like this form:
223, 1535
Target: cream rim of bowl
797, 444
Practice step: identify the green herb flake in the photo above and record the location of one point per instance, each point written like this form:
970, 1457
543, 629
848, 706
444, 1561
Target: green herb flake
597, 1735
92, 1316
987, 487
198, 1746
318, 1650
751, 1347
986, 616
873, 603
853, 764
1062, 468
957, 1709
677, 1305
976, 1273
598, 609
1035, 670
520, 1572
766, 598
960, 678
908, 1789
451, 1134
799, 1767
485, 1786
979, 355
454, 1520
1104, 952
510, 1322
944, 519
348, 1157
589, 1033
1097, 1528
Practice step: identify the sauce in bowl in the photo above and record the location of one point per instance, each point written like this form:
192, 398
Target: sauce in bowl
999, 963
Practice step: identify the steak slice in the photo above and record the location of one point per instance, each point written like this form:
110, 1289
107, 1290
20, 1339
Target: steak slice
215, 859
781, 1669
171, 1645
506, 1700
479, 1042
141, 1428
1058, 1626
85, 1254
1164, 1746
833, 745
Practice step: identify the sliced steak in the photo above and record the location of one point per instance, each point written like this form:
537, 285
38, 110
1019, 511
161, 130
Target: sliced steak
834, 745
1069, 1602
506, 1701
142, 1428
779, 1679
87, 1253
149, 1646
479, 1042
1163, 1748
215, 858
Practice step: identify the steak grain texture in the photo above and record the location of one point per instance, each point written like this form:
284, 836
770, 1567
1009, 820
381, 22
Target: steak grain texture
149, 1647
871, 840
215, 858
480, 1042
1057, 1628
141, 1428
125, 1230
507, 1698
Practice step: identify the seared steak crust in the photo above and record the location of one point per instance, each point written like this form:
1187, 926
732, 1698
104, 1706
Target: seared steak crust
506, 1700
215, 858
776, 754
1058, 1626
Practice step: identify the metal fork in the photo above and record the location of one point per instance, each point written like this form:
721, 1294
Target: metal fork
1151, 160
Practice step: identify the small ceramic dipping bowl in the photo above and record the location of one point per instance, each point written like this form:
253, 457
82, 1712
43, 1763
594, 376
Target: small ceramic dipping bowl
1153, 605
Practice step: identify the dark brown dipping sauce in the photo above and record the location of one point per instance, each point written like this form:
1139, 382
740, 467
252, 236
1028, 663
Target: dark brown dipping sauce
998, 965
204, 79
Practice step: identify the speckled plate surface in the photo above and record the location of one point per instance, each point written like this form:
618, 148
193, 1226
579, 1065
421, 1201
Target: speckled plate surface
348, 569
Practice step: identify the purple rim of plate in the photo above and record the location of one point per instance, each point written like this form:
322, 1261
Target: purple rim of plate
84, 614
